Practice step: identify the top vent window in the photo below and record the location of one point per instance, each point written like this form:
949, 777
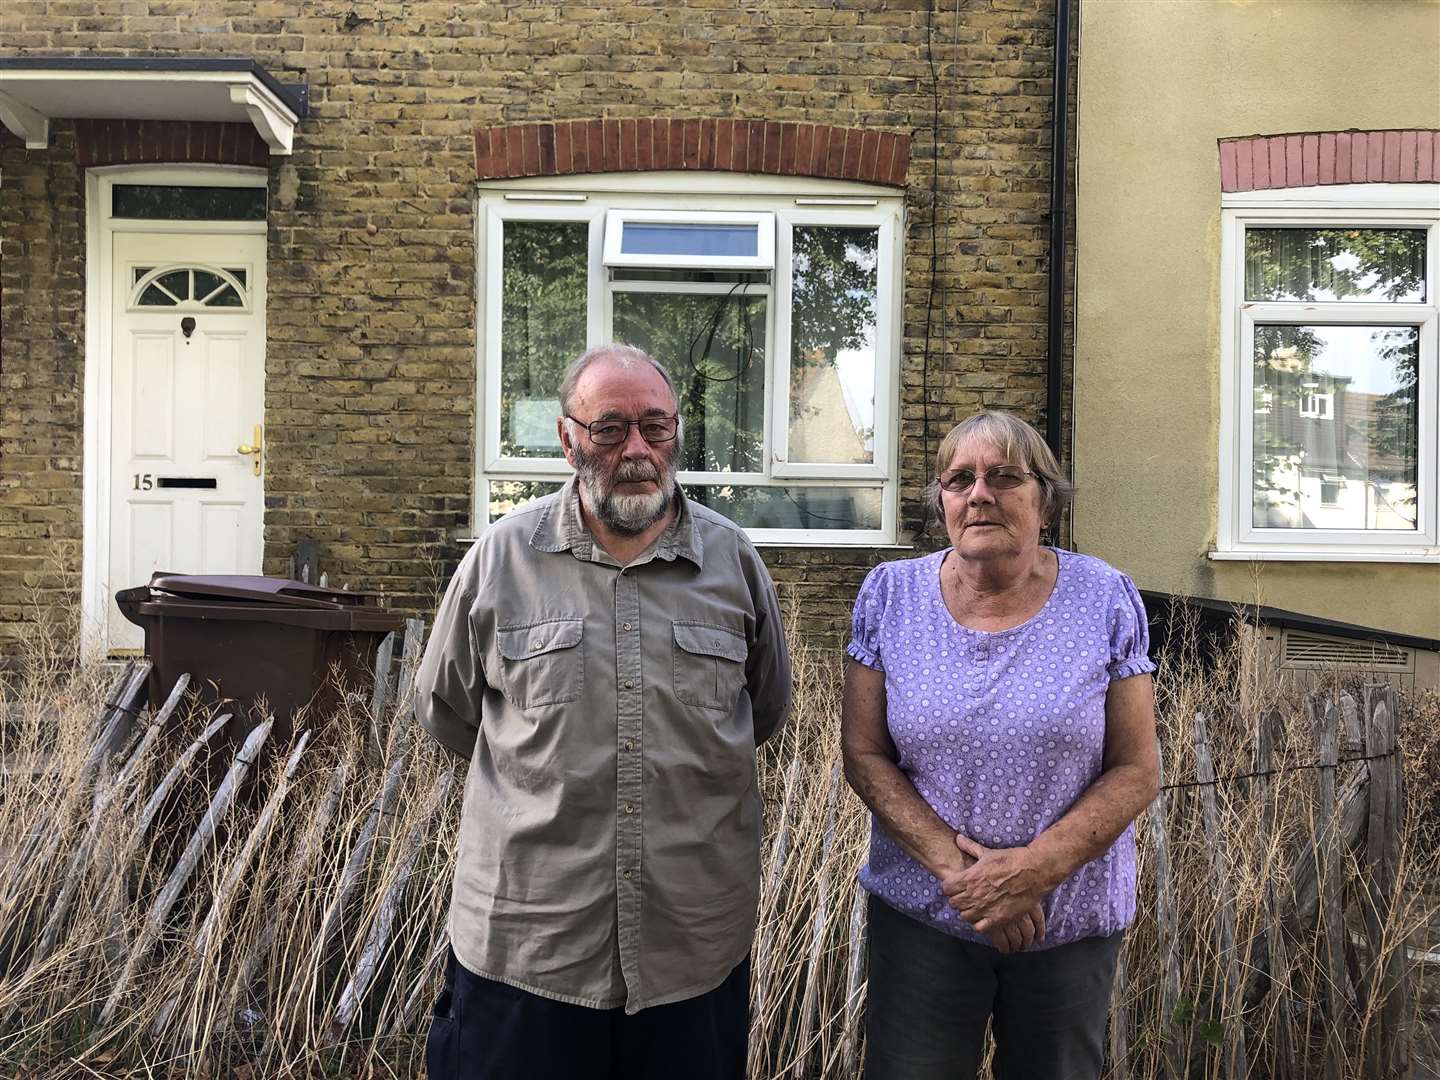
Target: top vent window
695, 240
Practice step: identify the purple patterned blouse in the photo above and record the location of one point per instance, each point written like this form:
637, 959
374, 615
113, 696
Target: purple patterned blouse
1002, 731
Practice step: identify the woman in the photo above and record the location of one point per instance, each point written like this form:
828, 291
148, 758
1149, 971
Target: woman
999, 722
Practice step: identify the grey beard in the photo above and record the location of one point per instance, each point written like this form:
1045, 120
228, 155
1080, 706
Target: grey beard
628, 515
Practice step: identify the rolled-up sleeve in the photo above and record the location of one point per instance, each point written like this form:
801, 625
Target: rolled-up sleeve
450, 683
767, 668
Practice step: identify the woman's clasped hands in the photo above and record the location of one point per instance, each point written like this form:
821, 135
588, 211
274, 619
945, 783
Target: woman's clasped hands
999, 892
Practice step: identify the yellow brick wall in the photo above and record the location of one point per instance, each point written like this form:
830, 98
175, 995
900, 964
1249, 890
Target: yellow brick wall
371, 338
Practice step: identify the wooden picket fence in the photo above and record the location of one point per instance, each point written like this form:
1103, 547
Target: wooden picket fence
1357, 839
342, 953
80, 834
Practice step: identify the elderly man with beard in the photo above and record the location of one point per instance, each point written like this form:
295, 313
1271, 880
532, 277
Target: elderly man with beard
607, 659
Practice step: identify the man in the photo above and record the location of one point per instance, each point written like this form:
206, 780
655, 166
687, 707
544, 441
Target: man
607, 658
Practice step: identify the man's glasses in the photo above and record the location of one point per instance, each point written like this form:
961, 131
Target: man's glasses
653, 429
1001, 478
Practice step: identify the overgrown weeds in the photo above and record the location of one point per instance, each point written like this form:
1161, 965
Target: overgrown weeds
320, 954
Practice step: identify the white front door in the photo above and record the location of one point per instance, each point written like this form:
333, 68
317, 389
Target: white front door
187, 396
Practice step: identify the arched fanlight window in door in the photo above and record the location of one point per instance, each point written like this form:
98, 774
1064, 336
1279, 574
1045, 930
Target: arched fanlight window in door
188, 287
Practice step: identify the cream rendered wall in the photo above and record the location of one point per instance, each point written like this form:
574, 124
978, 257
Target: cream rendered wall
1159, 84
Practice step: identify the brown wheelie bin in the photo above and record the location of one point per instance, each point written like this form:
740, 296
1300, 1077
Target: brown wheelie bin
244, 640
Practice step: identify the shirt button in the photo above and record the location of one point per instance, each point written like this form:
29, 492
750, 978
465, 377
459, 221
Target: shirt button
629, 684
627, 626
627, 875
629, 809
629, 744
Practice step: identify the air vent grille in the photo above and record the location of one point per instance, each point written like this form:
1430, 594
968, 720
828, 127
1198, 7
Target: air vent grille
1313, 650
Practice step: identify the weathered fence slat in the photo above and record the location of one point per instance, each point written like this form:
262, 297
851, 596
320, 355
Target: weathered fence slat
1387, 1051
84, 852
118, 719
770, 889
1331, 883
1118, 1054
408, 1012
310, 846
204, 834
382, 692
221, 900
855, 985
1233, 1057
1169, 929
409, 661
810, 1000
1272, 935
1352, 734
378, 939
113, 727
1301, 901
360, 854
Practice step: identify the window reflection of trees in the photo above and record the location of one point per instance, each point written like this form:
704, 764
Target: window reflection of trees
1370, 439
542, 321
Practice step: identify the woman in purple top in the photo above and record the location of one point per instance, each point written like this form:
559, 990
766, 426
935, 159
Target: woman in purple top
999, 722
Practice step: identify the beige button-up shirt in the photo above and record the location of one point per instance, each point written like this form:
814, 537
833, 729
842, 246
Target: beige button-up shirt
609, 847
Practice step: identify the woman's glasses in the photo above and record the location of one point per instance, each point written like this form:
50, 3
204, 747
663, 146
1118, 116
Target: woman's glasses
653, 429
1001, 478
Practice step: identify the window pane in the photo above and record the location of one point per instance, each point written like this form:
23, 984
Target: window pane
648, 238
1335, 264
832, 353
154, 296
792, 507
177, 283
226, 297
1336, 420
506, 495
206, 283
177, 203
542, 329
714, 348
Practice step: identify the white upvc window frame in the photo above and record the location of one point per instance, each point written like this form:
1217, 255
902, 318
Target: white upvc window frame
1353, 205
788, 202
616, 218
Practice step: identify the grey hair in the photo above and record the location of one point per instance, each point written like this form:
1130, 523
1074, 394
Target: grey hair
1021, 444
625, 355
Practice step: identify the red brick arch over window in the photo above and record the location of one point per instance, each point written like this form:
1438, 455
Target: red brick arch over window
743, 146
1261, 162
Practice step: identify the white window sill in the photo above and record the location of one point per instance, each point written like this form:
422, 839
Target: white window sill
1422, 555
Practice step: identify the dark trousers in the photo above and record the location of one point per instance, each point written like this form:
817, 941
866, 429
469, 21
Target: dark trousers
930, 995
485, 1030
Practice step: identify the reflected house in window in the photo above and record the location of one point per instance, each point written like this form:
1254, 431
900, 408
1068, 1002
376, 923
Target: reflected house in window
831, 423
1328, 454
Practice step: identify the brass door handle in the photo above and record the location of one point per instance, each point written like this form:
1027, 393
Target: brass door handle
253, 450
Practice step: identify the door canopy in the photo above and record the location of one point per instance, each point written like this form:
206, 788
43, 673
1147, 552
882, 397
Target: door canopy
35, 90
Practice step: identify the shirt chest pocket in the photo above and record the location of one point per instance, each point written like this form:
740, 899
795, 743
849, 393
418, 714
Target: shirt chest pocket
709, 665
541, 663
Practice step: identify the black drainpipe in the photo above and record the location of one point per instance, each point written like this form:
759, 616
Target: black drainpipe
1059, 151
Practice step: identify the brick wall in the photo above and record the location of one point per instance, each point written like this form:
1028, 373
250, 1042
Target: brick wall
42, 352
371, 343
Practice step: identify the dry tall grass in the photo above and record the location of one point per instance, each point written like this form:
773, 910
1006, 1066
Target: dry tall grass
312, 948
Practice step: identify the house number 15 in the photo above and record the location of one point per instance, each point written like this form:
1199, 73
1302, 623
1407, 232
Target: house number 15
144, 481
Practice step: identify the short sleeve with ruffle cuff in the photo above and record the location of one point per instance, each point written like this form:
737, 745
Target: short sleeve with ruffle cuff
1129, 632
865, 623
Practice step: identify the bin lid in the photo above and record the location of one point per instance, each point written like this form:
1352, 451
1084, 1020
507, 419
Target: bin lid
253, 589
